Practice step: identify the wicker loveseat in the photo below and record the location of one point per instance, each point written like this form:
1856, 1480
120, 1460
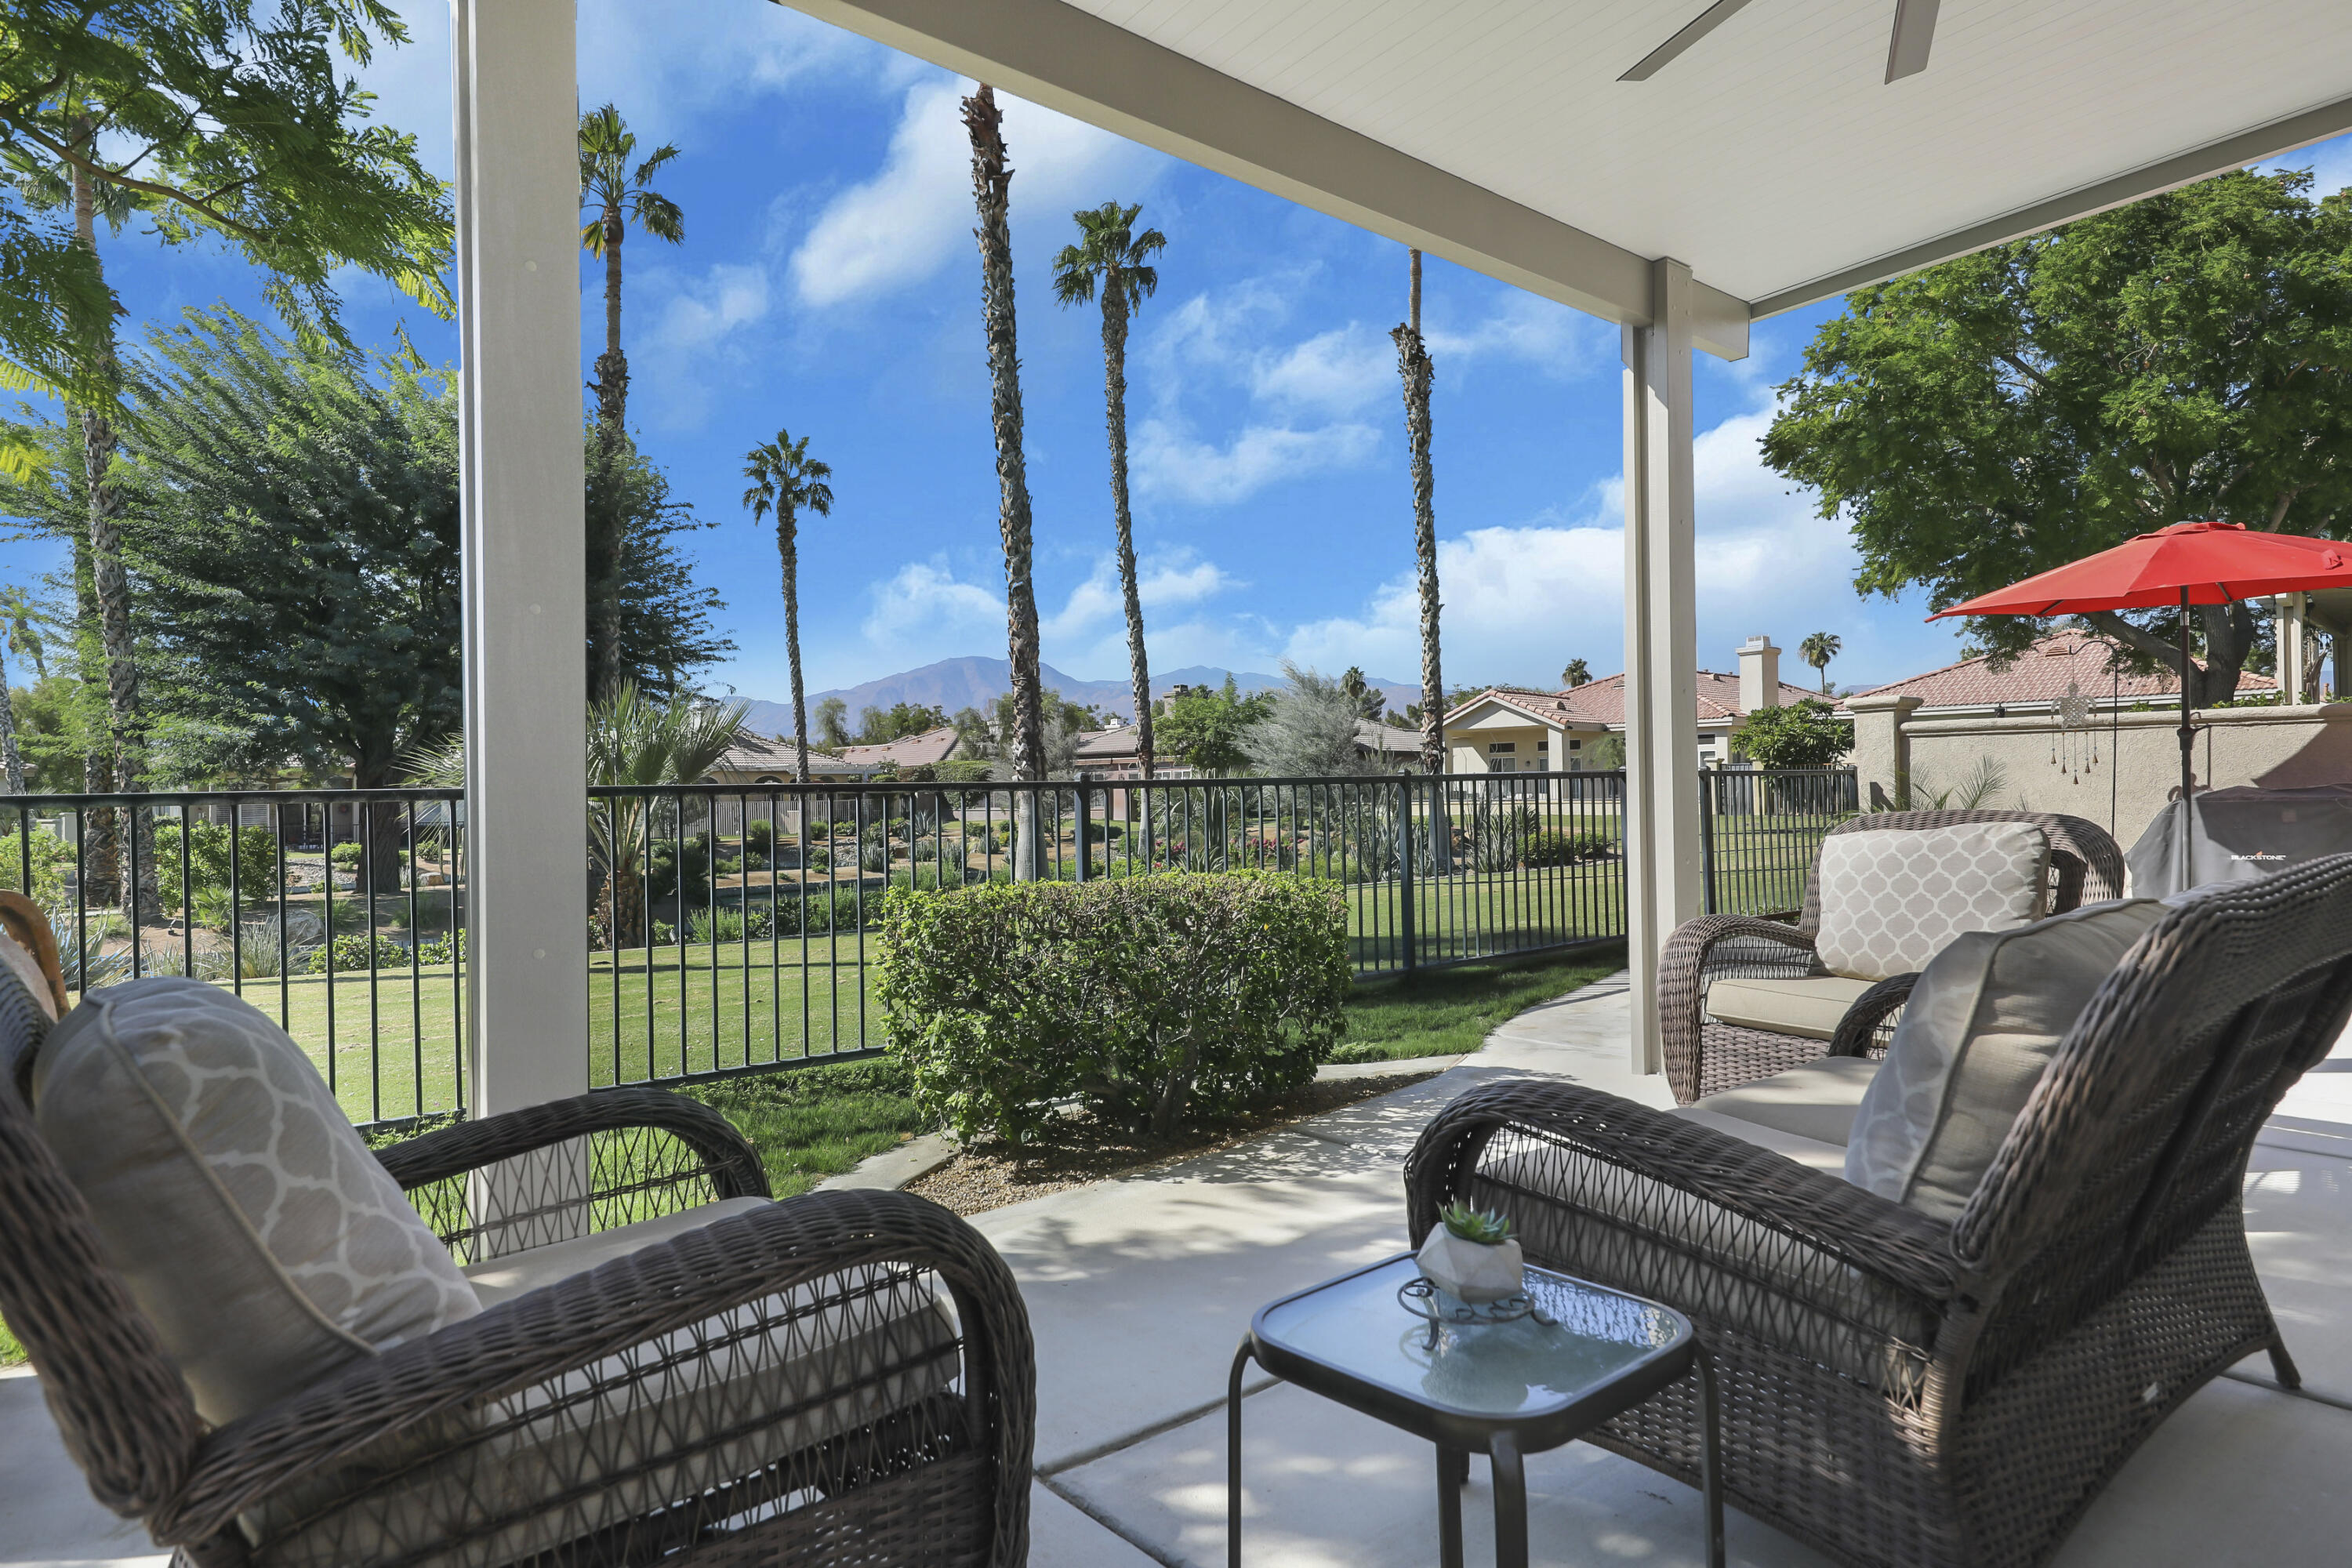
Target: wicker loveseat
840, 1378
1922, 1392
1704, 1055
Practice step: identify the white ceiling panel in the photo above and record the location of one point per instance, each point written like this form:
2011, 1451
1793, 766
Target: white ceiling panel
1772, 155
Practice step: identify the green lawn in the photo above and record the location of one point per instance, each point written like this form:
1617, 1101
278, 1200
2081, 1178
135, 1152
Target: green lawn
1447, 1012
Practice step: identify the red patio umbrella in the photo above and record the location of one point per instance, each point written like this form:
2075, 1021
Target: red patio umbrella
2187, 564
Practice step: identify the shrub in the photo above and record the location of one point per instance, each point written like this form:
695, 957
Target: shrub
447, 948
208, 865
760, 838
1567, 848
1159, 998
820, 858
52, 860
345, 857
357, 952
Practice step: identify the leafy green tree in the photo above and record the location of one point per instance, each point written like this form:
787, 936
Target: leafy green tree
51, 733
1577, 673
224, 120
1803, 734
662, 624
1209, 731
878, 726
1307, 729
1817, 650
1112, 259
787, 481
1371, 703
832, 724
2187, 357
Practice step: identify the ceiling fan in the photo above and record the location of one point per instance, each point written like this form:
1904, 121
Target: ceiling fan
1906, 50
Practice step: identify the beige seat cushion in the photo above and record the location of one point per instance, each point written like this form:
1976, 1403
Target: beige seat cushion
1807, 1151
503, 1278
253, 1227
1809, 1007
1892, 899
1980, 1027
1816, 1101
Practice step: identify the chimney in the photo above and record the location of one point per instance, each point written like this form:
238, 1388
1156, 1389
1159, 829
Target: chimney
1760, 674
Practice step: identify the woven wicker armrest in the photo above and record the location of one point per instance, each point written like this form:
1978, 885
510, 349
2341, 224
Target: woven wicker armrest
1689, 961
727, 1158
1881, 1238
585, 1324
1858, 1029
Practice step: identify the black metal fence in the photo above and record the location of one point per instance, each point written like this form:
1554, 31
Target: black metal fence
729, 927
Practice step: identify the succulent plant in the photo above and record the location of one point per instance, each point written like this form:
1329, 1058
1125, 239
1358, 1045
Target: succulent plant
1487, 1227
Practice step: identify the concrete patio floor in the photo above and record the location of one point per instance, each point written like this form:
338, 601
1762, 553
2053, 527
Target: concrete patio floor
1139, 1289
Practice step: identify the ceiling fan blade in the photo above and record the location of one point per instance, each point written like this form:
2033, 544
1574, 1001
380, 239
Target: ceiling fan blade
1915, 30
1706, 22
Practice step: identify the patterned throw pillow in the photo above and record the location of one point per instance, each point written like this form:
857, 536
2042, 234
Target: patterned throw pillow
1891, 900
1980, 1026
251, 1224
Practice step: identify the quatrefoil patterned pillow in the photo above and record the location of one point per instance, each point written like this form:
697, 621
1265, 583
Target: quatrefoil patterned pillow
1893, 899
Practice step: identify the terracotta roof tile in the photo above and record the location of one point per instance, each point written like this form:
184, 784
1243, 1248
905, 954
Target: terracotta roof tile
931, 747
2040, 674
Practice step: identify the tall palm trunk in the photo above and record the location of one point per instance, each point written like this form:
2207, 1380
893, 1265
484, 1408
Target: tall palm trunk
107, 580
992, 186
1413, 367
788, 552
604, 479
1412, 364
1138, 667
9, 757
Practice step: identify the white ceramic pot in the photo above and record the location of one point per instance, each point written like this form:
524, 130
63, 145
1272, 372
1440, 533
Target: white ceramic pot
1472, 1271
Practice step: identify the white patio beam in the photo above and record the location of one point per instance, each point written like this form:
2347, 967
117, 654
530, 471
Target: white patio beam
524, 556
1078, 63
1662, 827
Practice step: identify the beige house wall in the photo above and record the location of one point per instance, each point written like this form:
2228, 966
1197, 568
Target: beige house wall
2139, 766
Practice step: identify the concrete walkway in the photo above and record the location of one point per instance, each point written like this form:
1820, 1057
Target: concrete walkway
1139, 1289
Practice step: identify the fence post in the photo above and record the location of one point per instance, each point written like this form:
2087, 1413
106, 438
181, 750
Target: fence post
1078, 796
1707, 805
1404, 870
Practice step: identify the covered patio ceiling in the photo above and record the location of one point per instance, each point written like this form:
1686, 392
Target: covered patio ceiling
1772, 156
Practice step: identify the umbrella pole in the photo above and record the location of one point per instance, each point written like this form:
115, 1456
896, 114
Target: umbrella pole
2187, 754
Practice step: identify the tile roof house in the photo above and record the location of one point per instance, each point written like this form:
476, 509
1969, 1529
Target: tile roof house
927, 749
770, 759
2037, 679
1512, 728
1110, 753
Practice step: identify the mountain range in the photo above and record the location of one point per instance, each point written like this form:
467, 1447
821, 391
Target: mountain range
975, 682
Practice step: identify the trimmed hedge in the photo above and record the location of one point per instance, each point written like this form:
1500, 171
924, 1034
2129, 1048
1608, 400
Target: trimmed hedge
1161, 999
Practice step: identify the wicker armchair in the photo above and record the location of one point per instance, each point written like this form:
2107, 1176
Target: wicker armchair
745, 1391
1704, 1055
1904, 1391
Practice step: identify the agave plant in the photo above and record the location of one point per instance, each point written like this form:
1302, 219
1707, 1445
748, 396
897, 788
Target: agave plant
1487, 1227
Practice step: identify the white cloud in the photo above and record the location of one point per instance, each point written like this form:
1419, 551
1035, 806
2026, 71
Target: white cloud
1520, 601
1164, 582
672, 65
696, 319
1171, 463
1336, 373
925, 605
1557, 341
915, 215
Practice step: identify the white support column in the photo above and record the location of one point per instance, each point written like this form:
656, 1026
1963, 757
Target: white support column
525, 565
1662, 852
2291, 665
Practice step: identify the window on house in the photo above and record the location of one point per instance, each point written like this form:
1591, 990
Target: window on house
1500, 747
1574, 745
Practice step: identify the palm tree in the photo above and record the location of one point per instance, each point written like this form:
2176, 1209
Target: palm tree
633, 739
992, 192
1112, 258
784, 480
12, 618
1413, 367
1577, 673
1817, 650
610, 195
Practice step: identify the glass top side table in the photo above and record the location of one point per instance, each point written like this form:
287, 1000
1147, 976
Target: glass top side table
1583, 1353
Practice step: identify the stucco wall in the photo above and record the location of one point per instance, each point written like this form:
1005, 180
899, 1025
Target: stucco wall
2139, 766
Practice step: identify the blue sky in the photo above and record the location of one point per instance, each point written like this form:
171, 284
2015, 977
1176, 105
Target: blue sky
828, 285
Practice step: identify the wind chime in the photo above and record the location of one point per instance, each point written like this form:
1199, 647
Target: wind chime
2073, 743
